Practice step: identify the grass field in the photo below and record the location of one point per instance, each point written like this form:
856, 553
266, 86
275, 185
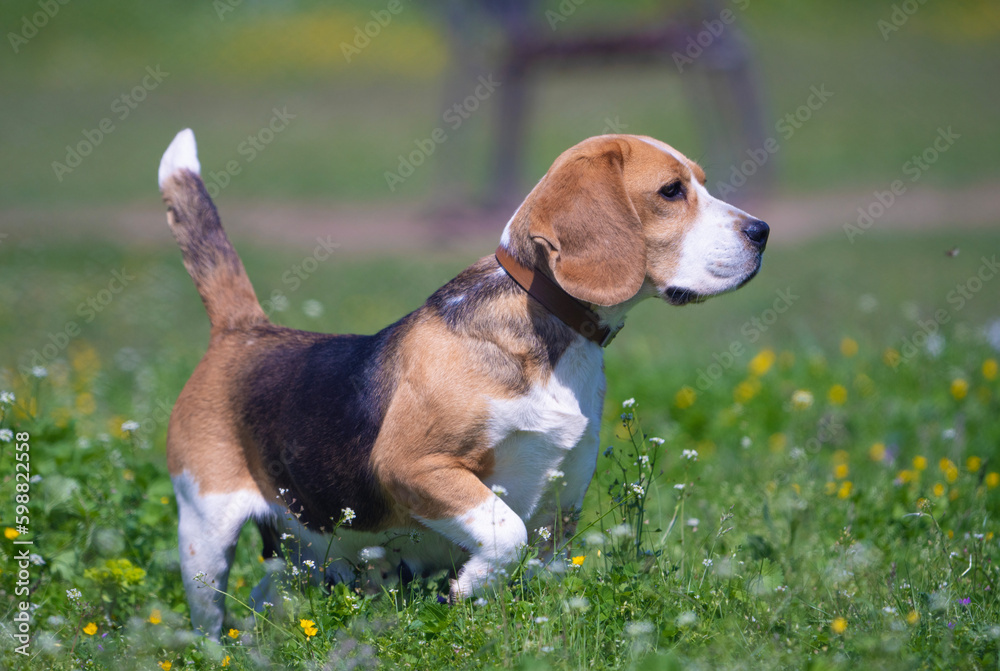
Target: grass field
841, 510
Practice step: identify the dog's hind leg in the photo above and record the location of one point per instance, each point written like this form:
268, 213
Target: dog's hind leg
209, 527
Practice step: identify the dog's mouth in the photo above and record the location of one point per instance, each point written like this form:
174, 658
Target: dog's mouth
679, 296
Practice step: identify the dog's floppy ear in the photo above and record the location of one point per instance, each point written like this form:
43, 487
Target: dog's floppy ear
585, 224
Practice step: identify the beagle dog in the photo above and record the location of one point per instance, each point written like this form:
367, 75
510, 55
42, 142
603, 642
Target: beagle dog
449, 439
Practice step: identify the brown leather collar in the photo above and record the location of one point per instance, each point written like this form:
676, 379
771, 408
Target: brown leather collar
572, 312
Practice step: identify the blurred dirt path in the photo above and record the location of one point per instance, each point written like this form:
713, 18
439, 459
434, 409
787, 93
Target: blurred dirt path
370, 227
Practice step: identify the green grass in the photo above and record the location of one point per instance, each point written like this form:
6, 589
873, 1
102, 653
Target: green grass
787, 566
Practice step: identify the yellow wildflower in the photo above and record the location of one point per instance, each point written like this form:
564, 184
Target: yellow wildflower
90, 629
907, 476
951, 475
848, 347
10, 534
746, 390
973, 464
685, 397
890, 357
992, 479
578, 561
845, 489
877, 452
225, 660
913, 617
920, 462
85, 404
959, 388
234, 633
839, 625
155, 617
762, 362
938, 489
777, 442
165, 500
990, 369
165, 665
840, 471
864, 384
831, 488
946, 464
837, 394
309, 627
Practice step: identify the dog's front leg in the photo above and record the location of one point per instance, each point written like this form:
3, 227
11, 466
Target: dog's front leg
455, 503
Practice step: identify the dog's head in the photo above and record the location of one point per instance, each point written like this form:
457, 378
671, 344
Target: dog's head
623, 217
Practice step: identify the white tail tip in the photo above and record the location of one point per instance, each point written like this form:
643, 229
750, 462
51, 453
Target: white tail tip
182, 154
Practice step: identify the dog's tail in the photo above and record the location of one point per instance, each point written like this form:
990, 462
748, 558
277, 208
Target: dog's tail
209, 257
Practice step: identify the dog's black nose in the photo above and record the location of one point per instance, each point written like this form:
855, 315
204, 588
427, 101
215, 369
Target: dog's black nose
756, 231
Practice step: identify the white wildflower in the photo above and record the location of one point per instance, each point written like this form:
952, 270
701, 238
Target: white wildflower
656, 441
546, 648
309, 563
480, 602
637, 488
679, 486
6, 435
7, 398
129, 426
541, 619
693, 522
372, 553
285, 536
746, 442
692, 455
544, 533
554, 474
499, 490
313, 308
643, 460
706, 562
295, 570
347, 515
73, 594
642, 628
39, 372
36, 559
579, 603
802, 399
628, 403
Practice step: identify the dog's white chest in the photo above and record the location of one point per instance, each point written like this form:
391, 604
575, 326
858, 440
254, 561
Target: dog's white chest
552, 429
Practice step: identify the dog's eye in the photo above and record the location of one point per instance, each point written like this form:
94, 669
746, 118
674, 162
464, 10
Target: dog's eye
673, 191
